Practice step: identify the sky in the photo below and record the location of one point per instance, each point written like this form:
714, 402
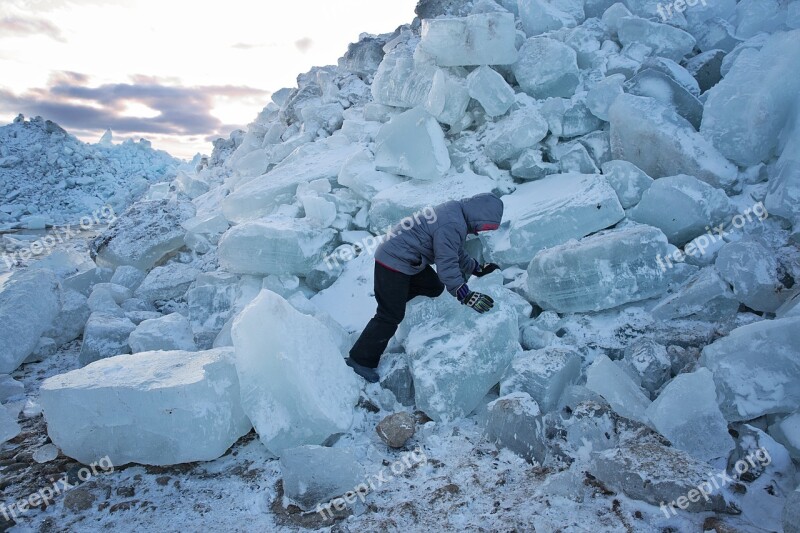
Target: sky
176, 72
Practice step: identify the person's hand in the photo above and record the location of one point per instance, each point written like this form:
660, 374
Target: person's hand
486, 269
477, 301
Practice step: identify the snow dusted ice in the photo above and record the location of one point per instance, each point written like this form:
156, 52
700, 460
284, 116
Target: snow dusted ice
643, 343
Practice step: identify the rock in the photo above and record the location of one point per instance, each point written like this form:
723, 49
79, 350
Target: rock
105, 336
157, 408
170, 332
314, 475
298, 390
29, 303
543, 375
396, 429
750, 385
78, 500
515, 422
143, 235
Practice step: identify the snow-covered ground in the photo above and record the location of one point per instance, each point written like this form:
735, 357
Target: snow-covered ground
640, 370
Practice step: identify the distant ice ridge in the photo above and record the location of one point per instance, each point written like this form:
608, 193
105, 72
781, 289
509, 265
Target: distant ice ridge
46, 172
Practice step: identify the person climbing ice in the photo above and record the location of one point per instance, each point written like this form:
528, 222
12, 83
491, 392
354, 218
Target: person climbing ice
403, 270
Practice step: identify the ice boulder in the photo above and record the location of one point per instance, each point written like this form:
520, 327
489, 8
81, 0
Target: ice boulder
749, 384
620, 391
491, 90
604, 270
704, 296
68, 324
542, 16
403, 78
143, 235
648, 363
509, 136
9, 427
295, 387
457, 355
786, 431
314, 475
757, 85
128, 276
791, 511
412, 144
171, 332
515, 422
628, 181
665, 40
700, 429
359, 175
783, 198
682, 207
602, 95
543, 374
410, 199
656, 139
156, 408
752, 271
104, 336
449, 97
274, 245
657, 84
479, 39
29, 303
10, 387
549, 212
167, 282
546, 68
262, 195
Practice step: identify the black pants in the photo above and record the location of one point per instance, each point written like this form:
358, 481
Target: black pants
392, 291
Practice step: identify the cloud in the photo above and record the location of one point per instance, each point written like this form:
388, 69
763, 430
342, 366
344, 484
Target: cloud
70, 102
16, 26
304, 44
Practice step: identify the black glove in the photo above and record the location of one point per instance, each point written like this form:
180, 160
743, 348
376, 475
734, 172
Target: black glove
483, 270
479, 302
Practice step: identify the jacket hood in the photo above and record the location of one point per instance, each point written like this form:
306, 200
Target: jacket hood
482, 212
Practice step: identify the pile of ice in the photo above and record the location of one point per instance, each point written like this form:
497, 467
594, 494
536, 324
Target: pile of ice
649, 173
47, 176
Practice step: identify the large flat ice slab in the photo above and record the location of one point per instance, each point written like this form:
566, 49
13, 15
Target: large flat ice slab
295, 386
157, 408
549, 212
604, 270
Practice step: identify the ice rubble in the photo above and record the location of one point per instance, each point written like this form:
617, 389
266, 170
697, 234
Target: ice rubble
295, 387
157, 408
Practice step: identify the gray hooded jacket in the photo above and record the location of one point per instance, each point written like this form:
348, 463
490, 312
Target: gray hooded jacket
440, 239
